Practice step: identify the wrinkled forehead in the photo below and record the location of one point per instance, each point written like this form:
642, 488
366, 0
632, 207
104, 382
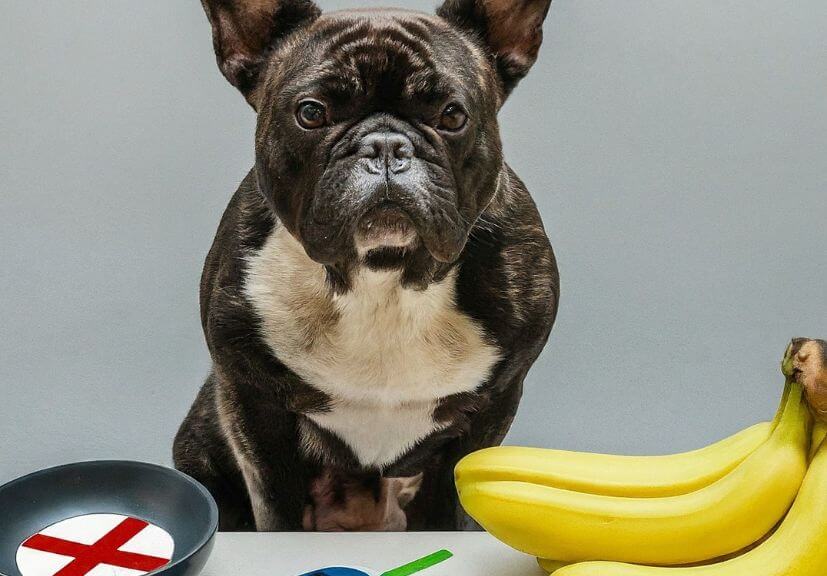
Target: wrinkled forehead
390, 53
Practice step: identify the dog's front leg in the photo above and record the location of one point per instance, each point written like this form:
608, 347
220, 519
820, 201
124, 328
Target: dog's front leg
266, 472
258, 401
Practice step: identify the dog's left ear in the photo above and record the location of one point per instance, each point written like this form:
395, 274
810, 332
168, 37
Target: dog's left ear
511, 29
245, 31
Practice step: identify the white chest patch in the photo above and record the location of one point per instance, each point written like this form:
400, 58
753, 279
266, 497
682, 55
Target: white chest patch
384, 354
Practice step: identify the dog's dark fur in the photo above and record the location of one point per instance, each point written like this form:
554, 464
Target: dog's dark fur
256, 434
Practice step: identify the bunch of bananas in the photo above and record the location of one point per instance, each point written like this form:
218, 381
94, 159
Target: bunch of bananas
754, 504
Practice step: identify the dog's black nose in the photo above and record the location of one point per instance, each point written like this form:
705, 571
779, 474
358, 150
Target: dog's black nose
386, 151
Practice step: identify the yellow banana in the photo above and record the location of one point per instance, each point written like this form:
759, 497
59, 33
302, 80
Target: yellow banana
796, 549
718, 519
552, 566
613, 475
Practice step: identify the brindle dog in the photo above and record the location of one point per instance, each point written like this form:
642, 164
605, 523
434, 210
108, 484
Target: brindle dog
381, 282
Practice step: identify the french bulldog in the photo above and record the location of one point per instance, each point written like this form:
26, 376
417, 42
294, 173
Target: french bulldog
381, 281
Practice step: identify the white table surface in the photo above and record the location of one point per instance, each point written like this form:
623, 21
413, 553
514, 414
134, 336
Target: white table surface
291, 554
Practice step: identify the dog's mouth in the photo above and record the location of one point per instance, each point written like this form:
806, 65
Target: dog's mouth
385, 226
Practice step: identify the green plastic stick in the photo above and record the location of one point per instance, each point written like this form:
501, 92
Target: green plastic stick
419, 565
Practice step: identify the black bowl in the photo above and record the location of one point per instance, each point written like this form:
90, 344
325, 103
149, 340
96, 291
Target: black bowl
161, 496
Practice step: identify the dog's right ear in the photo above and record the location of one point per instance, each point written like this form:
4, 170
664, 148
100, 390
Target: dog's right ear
245, 31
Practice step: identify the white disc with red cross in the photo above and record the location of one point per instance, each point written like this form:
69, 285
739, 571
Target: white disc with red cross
96, 545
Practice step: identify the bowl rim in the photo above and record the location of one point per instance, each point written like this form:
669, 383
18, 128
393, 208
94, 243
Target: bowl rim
210, 534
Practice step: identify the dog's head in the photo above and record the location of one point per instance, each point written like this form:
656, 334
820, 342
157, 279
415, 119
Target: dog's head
377, 139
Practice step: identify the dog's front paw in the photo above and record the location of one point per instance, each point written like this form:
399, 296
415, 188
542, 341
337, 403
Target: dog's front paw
345, 503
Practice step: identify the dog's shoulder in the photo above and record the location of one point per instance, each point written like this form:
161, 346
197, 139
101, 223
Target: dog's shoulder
508, 277
245, 226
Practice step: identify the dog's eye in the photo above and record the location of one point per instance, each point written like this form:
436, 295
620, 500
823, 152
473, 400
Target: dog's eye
311, 114
453, 118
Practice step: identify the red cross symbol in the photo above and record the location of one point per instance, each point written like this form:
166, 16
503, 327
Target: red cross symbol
104, 551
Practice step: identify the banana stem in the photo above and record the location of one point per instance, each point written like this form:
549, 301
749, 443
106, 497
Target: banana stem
795, 420
805, 361
788, 383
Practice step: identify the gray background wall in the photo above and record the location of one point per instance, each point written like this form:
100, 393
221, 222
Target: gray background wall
677, 151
